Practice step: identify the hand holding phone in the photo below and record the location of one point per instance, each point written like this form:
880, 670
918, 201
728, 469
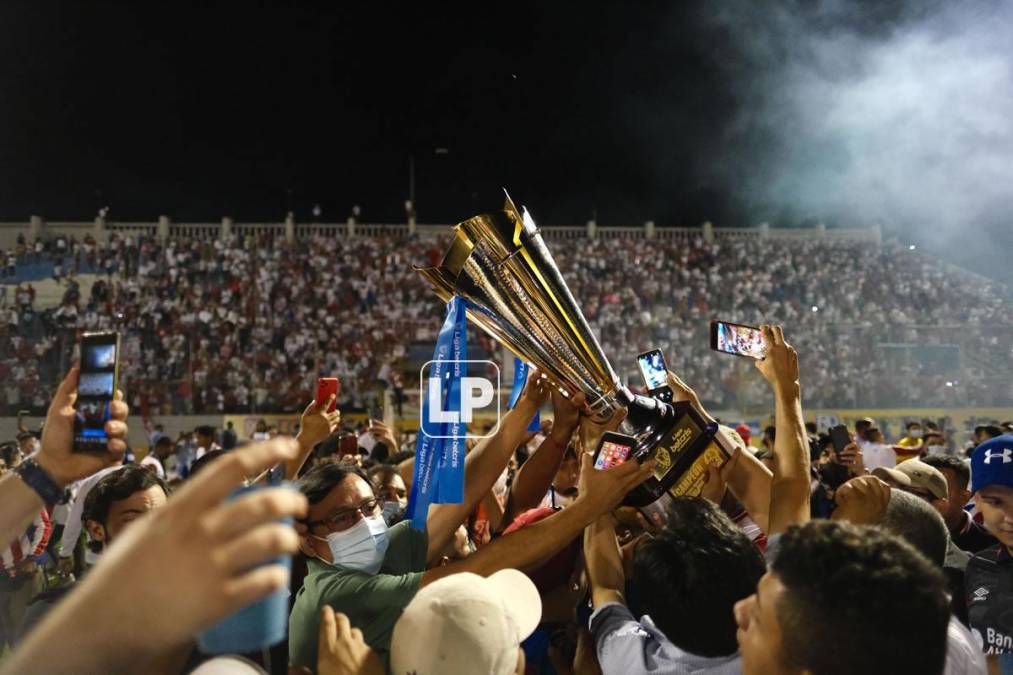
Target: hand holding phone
655, 371
613, 449
840, 437
326, 386
737, 339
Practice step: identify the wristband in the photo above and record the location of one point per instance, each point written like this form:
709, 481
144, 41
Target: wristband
36, 478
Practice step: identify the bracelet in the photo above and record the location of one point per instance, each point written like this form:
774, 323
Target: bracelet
36, 478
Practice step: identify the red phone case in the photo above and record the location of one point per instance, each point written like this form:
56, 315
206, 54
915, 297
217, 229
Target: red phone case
325, 387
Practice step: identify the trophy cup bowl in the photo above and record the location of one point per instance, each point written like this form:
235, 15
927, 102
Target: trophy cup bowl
500, 266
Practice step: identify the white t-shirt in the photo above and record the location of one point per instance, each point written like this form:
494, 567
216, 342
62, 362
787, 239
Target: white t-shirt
878, 454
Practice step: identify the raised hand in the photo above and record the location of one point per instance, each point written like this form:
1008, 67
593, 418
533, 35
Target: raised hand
57, 457
780, 365
683, 392
602, 490
316, 423
204, 552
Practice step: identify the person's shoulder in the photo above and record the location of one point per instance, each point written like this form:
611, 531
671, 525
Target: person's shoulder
985, 562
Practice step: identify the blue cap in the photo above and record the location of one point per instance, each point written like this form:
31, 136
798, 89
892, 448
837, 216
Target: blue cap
992, 463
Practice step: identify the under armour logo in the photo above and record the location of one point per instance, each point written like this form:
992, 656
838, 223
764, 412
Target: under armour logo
1007, 456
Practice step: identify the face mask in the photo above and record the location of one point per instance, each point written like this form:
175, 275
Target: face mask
937, 449
917, 433
361, 547
393, 512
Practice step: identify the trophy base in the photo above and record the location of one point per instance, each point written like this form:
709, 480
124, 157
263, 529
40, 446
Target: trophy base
679, 439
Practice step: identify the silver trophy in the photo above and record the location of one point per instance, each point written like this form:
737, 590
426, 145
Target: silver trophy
499, 264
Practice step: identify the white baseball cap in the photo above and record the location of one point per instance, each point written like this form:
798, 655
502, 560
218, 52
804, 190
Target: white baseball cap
464, 624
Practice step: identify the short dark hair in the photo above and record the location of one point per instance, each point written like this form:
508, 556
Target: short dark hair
864, 423
690, 575
770, 432
810, 428
913, 423
959, 467
201, 462
205, 430
381, 473
318, 482
990, 429
916, 521
114, 487
858, 580
163, 440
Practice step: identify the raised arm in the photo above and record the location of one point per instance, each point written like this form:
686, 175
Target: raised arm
599, 492
789, 490
59, 464
485, 463
747, 477
604, 561
315, 425
534, 478
203, 551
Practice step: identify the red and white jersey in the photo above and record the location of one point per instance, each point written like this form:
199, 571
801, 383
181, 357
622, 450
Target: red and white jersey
31, 543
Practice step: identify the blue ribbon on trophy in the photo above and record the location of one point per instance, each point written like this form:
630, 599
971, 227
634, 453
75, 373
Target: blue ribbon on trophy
521, 369
439, 449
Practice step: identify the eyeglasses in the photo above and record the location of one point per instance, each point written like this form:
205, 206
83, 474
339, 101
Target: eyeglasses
344, 519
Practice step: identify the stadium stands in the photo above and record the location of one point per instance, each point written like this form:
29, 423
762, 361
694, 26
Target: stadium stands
264, 308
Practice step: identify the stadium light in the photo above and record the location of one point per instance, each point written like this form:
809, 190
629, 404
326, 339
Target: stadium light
911, 247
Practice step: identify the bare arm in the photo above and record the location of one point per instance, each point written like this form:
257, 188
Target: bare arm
604, 562
599, 493
747, 477
484, 464
315, 425
535, 477
57, 457
789, 490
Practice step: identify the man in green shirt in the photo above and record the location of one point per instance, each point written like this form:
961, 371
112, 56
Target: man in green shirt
370, 573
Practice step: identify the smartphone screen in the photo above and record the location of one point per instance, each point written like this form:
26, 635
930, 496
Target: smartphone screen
653, 368
96, 388
325, 387
613, 451
734, 338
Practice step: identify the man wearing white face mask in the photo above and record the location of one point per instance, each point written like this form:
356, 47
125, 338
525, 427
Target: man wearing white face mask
359, 567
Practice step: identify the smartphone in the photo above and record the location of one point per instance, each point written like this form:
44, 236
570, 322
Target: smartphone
96, 387
348, 445
655, 371
325, 387
840, 437
613, 450
737, 339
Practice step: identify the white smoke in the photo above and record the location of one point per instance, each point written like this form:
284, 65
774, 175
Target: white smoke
903, 120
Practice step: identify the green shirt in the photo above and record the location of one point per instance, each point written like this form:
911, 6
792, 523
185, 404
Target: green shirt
373, 602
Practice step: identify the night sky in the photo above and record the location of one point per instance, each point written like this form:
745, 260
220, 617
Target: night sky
789, 112
197, 113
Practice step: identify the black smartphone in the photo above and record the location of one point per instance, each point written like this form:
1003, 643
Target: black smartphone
655, 371
613, 450
96, 387
737, 339
840, 437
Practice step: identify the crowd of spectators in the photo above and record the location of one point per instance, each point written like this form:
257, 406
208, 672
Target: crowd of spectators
538, 569
243, 325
